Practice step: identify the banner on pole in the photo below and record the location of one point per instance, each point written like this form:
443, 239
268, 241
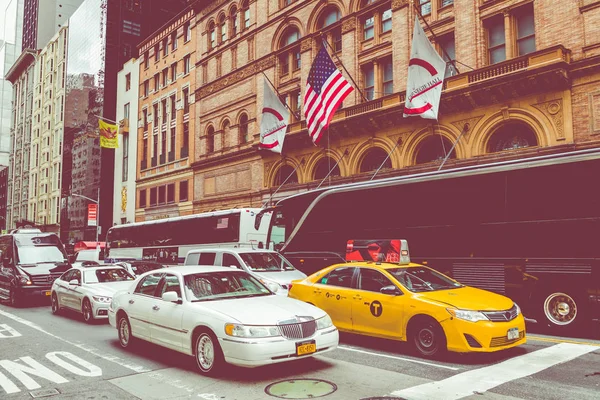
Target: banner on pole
108, 135
92, 214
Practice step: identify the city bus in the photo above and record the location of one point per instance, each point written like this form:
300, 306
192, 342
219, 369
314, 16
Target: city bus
168, 240
525, 228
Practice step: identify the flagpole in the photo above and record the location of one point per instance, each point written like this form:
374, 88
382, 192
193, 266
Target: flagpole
344, 67
279, 96
283, 183
331, 170
105, 119
466, 127
388, 156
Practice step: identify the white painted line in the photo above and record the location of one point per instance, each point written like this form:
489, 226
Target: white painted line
7, 332
91, 350
398, 358
483, 379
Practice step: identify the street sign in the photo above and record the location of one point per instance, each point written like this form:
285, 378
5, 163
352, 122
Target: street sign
92, 214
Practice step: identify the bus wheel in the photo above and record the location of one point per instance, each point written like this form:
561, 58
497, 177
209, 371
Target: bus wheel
560, 309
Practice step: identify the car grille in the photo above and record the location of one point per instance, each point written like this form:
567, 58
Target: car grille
503, 340
45, 280
299, 330
502, 316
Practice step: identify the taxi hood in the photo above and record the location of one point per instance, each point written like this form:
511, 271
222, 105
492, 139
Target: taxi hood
469, 298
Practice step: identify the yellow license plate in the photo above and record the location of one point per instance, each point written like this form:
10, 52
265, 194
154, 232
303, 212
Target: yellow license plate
303, 349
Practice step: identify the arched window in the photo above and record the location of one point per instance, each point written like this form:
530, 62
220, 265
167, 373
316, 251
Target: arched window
289, 60
328, 17
233, 17
323, 167
511, 136
246, 14
243, 128
373, 159
225, 134
434, 148
210, 140
223, 28
285, 172
212, 35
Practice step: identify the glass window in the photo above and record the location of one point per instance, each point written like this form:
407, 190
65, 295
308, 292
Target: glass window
223, 285
230, 260
496, 40
171, 193
148, 285
324, 166
369, 77
105, 275
266, 261
372, 280
445, 3
373, 160
434, 148
368, 28
142, 198
187, 32
192, 259
210, 140
512, 136
161, 195
422, 279
330, 16
285, 174
183, 191
339, 277
243, 128
448, 48
425, 7
388, 76
173, 41
525, 31
207, 258
170, 284
386, 21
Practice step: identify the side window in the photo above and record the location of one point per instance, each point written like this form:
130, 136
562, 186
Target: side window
338, 277
170, 284
229, 260
192, 259
76, 275
147, 286
67, 276
207, 259
372, 280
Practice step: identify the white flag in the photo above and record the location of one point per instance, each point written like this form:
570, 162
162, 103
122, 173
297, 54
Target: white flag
426, 71
274, 121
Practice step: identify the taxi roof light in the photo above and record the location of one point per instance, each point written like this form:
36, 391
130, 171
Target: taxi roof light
378, 251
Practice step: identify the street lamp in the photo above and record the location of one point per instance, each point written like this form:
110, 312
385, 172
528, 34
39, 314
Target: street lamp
97, 214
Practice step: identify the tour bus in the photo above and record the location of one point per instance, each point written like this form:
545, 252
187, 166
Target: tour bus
525, 228
168, 240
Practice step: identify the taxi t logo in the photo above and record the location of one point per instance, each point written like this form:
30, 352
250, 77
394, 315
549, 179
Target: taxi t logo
376, 308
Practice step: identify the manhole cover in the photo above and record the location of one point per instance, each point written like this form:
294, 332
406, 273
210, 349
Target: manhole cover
300, 388
44, 393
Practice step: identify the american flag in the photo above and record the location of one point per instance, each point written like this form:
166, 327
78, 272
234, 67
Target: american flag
326, 89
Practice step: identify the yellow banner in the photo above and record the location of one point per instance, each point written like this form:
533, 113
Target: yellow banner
108, 135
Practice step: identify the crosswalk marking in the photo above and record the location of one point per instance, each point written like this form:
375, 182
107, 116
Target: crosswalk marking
483, 379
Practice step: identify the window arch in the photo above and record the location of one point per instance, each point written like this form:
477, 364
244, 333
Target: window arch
329, 16
373, 159
243, 128
283, 173
233, 17
512, 136
289, 59
222, 28
434, 148
211, 35
324, 165
210, 140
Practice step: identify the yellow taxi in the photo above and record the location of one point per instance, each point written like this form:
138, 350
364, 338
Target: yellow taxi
405, 301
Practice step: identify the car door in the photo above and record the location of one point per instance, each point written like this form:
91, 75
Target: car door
373, 312
166, 317
60, 288
333, 293
139, 305
75, 293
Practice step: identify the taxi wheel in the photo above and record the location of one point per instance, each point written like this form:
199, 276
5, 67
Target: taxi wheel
55, 306
208, 354
88, 313
428, 337
124, 330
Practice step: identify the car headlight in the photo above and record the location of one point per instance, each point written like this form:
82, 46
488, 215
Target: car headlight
518, 309
102, 299
249, 331
324, 322
468, 315
23, 280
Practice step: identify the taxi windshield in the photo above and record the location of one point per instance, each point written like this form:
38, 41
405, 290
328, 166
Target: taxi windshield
266, 262
422, 279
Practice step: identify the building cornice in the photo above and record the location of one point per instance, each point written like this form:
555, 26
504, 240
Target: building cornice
27, 57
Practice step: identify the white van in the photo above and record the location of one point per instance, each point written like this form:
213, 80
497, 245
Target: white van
270, 267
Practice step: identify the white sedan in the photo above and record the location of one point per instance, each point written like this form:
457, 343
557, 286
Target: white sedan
89, 290
219, 315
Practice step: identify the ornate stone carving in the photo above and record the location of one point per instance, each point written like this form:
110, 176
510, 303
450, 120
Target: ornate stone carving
306, 45
349, 24
505, 113
473, 121
554, 111
230, 79
398, 4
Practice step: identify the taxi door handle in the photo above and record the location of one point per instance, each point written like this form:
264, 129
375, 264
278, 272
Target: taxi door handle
357, 297
317, 291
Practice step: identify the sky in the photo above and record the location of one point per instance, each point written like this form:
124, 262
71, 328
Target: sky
9, 23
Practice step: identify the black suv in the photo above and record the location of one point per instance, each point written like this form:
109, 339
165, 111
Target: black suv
30, 261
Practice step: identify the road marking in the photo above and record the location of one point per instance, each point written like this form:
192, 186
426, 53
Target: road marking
7, 385
22, 372
90, 369
7, 332
91, 350
483, 379
398, 358
552, 340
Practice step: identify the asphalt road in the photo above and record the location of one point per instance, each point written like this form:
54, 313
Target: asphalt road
61, 357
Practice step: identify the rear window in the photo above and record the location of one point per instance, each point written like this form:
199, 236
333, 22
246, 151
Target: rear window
207, 258
140, 268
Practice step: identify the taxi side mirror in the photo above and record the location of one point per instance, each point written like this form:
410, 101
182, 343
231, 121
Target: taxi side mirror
391, 290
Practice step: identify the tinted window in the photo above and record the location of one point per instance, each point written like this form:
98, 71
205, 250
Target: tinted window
372, 280
338, 277
148, 284
171, 284
76, 275
107, 275
67, 276
229, 260
207, 259
192, 259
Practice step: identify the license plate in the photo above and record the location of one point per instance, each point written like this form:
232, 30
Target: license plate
47, 293
304, 348
513, 333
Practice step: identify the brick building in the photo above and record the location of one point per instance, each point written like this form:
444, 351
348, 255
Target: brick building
167, 120
523, 84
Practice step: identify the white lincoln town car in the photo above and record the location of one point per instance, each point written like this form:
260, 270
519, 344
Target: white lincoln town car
219, 315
